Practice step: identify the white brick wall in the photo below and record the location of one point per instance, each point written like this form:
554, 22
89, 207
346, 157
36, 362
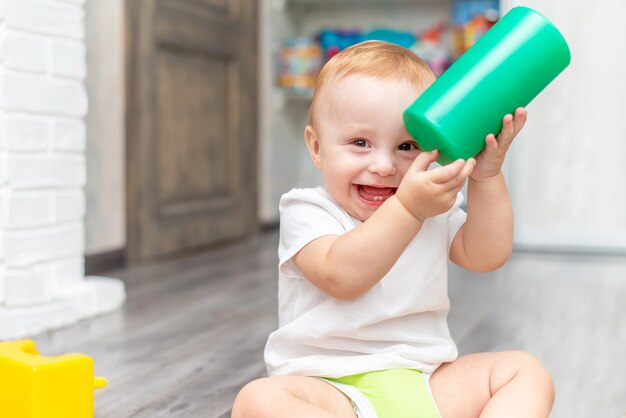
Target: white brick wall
26, 171
69, 206
69, 135
25, 287
25, 209
3, 168
59, 19
25, 247
68, 59
22, 51
43, 95
43, 103
25, 133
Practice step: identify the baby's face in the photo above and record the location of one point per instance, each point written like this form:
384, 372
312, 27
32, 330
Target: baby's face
364, 148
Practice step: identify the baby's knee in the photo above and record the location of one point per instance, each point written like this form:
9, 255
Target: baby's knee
530, 363
257, 399
529, 367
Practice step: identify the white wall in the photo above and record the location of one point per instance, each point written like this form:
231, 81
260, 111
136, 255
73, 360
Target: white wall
569, 166
105, 220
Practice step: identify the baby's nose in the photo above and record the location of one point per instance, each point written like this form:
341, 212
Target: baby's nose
383, 165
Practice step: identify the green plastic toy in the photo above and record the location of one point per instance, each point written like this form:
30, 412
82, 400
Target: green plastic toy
507, 68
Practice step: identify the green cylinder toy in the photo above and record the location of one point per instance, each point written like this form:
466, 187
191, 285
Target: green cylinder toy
510, 65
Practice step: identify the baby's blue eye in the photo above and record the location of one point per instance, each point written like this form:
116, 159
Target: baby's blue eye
359, 142
407, 146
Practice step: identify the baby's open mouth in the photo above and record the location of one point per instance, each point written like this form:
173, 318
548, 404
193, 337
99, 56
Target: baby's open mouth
374, 194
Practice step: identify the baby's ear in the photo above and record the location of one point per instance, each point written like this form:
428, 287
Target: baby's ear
313, 144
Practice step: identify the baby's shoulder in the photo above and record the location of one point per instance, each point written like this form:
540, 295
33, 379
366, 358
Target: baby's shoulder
313, 205
312, 195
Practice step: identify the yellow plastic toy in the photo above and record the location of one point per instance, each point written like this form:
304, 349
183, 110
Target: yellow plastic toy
35, 386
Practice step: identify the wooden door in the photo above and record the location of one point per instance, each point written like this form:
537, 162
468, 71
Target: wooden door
191, 124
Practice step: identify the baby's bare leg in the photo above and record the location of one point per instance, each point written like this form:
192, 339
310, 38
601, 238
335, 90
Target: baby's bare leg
291, 396
508, 384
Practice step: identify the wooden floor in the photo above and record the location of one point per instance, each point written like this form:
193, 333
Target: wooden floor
192, 331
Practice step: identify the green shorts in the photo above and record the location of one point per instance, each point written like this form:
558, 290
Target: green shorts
392, 393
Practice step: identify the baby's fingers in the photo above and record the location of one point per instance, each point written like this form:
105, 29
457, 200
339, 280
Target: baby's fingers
466, 171
491, 143
424, 160
519, 119
511, 125
441, 175
507, 133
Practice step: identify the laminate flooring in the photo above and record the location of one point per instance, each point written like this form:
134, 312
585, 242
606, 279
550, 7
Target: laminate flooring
192, 331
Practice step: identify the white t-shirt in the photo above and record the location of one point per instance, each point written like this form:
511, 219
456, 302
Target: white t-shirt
401, 322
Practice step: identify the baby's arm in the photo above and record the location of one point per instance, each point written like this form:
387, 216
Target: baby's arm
485, 241
346, 266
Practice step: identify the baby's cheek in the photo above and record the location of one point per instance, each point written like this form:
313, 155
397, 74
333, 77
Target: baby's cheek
405, 164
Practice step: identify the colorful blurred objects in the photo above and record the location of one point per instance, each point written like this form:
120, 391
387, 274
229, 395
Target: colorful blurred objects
300, 63
334, 40
302, 58
432, 50
470, 20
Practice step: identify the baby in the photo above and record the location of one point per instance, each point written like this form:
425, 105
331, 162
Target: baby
363, 260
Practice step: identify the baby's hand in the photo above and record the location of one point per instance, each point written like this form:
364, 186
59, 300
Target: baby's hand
429, 193
489, 161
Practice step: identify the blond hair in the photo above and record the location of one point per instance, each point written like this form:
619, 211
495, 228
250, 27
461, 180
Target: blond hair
378, 59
